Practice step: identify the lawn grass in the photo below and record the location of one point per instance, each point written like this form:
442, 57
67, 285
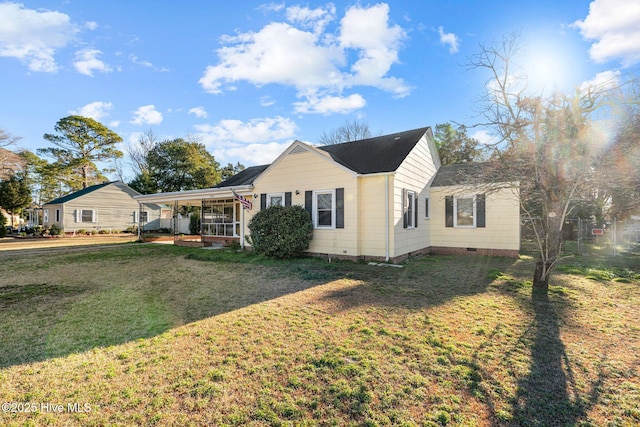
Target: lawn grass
162, 335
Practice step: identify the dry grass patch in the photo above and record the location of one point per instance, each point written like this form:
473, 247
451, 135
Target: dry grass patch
244, 341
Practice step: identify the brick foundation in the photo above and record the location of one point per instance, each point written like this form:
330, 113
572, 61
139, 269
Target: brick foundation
441, 250
393, 260
219, 240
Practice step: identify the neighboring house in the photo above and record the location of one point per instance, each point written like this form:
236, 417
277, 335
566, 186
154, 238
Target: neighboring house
10, 220
107, 206
368, 199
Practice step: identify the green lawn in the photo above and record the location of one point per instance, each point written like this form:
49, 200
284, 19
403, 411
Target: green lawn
161, 335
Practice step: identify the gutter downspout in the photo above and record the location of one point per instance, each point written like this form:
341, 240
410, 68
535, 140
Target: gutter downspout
386, 218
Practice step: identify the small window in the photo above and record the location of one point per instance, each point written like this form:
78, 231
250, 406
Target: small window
409, 205
324, 209
465, 212
144, 216
45, 216
86, 215
276, 199
426, 207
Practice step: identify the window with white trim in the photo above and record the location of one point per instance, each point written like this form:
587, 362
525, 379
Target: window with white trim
45, 216
464, 209
324, 211
143, 216
409, 208
87, 215
275, 199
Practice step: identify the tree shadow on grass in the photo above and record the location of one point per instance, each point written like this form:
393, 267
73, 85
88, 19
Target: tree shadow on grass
549, 395
422, 283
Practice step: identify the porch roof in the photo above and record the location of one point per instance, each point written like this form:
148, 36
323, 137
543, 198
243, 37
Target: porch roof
195, 197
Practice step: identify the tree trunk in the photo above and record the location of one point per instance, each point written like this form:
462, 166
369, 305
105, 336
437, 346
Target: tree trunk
540, 288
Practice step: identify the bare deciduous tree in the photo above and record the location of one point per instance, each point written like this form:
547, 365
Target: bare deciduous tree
140, 152
10, 162
348, 132
546, 143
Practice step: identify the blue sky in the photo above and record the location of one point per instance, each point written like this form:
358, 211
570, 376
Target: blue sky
247, 78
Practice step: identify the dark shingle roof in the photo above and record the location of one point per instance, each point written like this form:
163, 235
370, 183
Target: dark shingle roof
373, 155
79, 193
244, 177
467, 173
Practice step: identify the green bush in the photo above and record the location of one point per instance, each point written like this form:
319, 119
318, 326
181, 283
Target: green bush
281, 231
194, 223
3, 226
55, 230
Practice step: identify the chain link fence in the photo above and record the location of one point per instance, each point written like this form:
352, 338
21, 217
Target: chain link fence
583, 236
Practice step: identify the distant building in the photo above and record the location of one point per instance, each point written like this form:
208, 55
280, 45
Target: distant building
107, 206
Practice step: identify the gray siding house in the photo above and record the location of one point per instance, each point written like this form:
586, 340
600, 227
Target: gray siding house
108, 206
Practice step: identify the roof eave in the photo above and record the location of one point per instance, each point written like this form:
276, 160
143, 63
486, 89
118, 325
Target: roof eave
189, 195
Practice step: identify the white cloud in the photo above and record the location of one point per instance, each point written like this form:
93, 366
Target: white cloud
449, 39
252, 154
615, 27
271, 7
231, 131
315, 61
34, 36
331, 104
137, 61
267, 101
96, 110
147, 115
91, 25
604, 80
279, 53
253, 142
316, 19
199, 112
484, 137
367, 31
87, 62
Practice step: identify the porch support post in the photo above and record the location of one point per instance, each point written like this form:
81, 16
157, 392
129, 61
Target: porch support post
202, 221
386, 219
139, 220
175, 221
241, 224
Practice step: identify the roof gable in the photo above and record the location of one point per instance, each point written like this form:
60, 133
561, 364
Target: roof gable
297, 147
91, 189
375, 155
